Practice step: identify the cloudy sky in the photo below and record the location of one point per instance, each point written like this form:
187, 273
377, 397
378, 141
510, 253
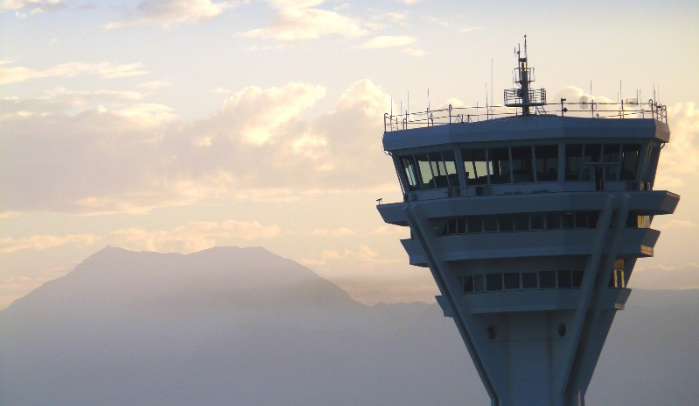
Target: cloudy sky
177, 125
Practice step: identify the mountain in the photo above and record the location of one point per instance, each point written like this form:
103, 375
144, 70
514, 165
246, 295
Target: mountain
242, 326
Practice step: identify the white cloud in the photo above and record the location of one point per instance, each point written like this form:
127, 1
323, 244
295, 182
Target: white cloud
675, 223
296, 21
333, 232
263, 112
13, 288
64, 101
135, 157
679, 161
154, 85
415, 51
168, 13
665, 277
470, 29
195, 236
389, 41
42, 242
106, 70
37, 5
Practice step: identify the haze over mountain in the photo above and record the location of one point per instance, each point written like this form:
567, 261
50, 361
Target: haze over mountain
242, 326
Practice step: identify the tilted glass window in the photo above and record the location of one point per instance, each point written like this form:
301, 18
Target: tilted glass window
591, 155
423, 163
475, 166
410, 170
499, 159
573, 161
546, 163
450, 167
522, 167
439, 170
629, 161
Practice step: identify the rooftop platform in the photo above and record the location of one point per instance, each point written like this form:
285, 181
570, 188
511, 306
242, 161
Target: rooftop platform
627, 109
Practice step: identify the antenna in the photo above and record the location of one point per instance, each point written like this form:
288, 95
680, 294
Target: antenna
524, 96
620, 93
486, 97
525, 45
491, 81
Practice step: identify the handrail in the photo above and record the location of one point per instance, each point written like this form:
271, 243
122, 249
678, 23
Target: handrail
464, 115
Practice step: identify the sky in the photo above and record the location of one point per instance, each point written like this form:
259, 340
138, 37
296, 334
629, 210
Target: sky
178, 125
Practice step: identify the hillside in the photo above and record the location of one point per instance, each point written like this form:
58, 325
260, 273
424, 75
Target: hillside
243, 326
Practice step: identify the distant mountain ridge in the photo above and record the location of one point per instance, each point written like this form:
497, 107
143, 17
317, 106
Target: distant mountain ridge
244, 326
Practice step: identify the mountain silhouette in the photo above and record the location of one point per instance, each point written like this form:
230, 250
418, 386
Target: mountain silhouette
243, 326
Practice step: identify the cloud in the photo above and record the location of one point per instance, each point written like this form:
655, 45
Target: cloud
665, 277
62, 100
394, 41
297, 21
574, 94
389, 41
195, 236
13, 288
370, 277
675, 223
169, 13
42, 242
333, 232
363, 254
154, 85
105, 70
263, 112
36, 5
470, 29
678, 161
258, 146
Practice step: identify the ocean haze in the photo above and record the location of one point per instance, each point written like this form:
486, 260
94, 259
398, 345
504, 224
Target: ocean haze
244, 326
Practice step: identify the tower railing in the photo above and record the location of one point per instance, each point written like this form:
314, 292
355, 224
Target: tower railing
625, 109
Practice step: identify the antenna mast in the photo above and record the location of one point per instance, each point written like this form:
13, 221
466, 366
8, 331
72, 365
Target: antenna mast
524, 96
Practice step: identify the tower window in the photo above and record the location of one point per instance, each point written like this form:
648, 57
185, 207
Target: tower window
511, 280
547, 279
629, 161
529, 280
410, 170
546, 163
493, 281
476, 166
522, 168
499, 159
573, 161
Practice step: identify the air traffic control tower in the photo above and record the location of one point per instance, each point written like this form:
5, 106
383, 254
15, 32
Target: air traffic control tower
531, 217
